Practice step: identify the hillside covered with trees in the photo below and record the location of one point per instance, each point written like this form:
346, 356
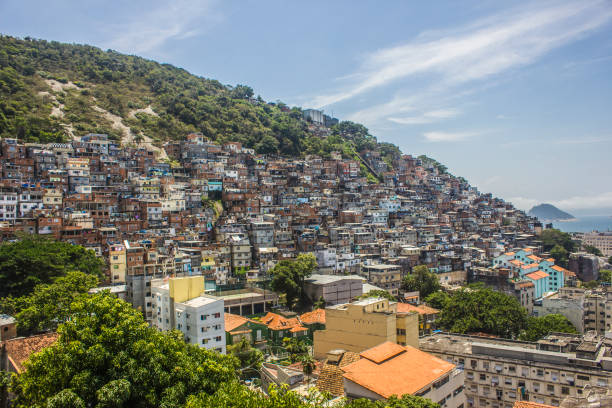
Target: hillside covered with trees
50, 92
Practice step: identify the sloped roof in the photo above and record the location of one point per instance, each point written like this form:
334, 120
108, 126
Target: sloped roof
537, 275
528, 404
316, 316
389, 369
21, 348
330, 377
277, 322
420, 309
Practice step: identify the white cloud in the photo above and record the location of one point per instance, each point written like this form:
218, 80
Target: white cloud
471, 53
426, 117
590, 202
447, 136
178, 20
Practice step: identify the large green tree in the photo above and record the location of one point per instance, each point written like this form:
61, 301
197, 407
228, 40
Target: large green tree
33, 260
551, 237
49, 303
479, 309
538, 327
107, 356
288, 277
250, 358
421, 280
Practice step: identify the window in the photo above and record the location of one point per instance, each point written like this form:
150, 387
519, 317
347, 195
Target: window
583, 377
217, 315
565, 390
203, 317
550, 388
218, 338
483, 377
204, 341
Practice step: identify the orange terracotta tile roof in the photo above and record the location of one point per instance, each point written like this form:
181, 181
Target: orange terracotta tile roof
420, 309
509, 254
550, 259
534, 258
316, 316
525, 284
537, 275
330, 377
233, 321
277, 322
531, 265
389, 369
516, 262
528, 404
21, 348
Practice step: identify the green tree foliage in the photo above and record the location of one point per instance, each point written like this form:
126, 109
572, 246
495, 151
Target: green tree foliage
560, 254
592, 250
605, 275
483, 310
406, 401
49, 304
378, 293
248, 356
289, 275
438, 300
308, 365
296, 348
33, 260
552, 237
538, 327
422, 281
107, 355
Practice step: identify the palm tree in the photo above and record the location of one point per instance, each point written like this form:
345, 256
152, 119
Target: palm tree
308, 366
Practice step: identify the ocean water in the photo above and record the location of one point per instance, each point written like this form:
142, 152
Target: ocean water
601, 223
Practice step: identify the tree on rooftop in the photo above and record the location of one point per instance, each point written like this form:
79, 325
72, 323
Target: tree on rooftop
538, 327
288, 277
378, 293
421, 280
34, 259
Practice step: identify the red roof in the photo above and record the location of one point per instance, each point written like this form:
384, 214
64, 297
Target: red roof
537, 275
316, 316
20, 349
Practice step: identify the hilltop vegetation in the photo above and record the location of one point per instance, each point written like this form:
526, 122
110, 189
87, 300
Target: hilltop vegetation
51, 91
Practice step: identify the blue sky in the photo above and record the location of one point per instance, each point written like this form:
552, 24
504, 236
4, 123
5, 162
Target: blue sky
514, 96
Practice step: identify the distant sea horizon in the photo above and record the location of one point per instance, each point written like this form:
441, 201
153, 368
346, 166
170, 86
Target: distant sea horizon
586, 223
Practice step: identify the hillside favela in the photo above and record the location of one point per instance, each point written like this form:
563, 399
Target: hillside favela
344, 204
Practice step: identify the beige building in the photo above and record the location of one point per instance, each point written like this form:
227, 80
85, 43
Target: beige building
364, 324
598, 311
600, 240
388, 277
499, 372
118, 264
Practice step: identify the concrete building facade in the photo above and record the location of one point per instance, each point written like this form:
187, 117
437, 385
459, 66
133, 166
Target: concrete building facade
364, 324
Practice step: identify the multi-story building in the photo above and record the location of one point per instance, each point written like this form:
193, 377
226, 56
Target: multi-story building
584, 265
363, 324
182, 305
118, 263
600, 240
388, 277
333, 289
499, 372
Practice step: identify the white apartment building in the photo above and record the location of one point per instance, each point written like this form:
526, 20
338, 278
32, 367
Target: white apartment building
182, 305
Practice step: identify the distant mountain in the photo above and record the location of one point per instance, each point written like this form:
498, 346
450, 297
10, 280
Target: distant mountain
549, 212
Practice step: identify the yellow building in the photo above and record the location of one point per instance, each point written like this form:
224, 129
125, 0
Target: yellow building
366, 323
118, 264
